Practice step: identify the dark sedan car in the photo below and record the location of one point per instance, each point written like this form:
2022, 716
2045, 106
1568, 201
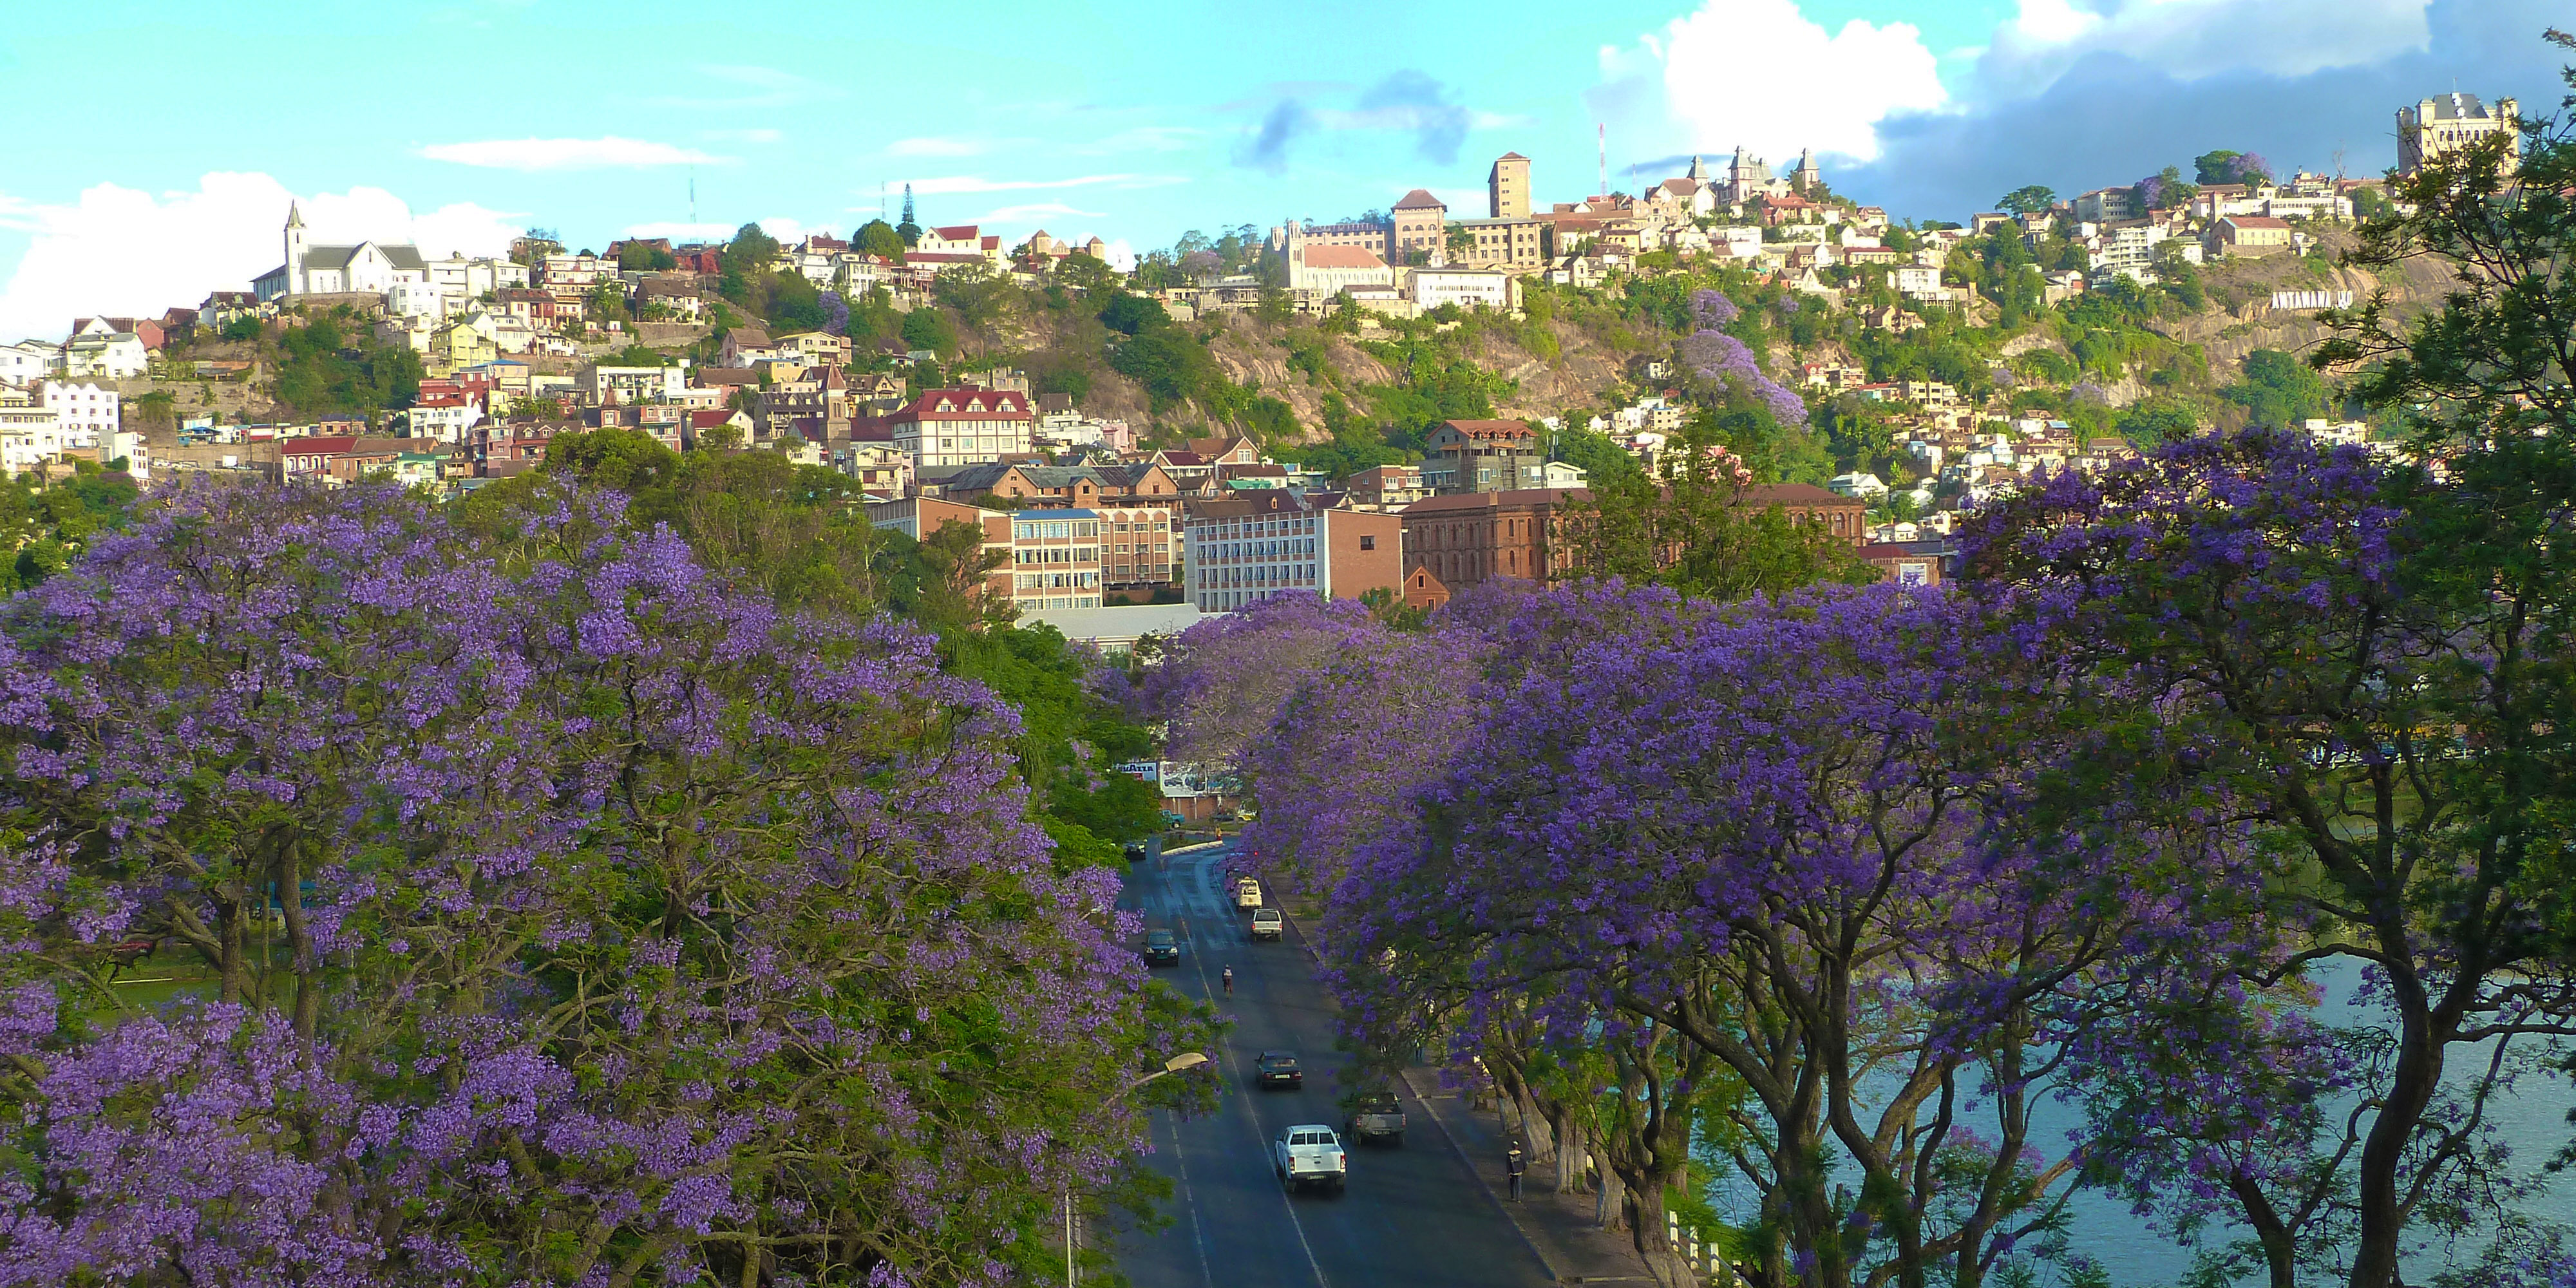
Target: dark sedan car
1161, 949
1279, 1069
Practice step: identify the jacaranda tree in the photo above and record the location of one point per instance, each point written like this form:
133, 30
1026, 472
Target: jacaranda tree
570, 917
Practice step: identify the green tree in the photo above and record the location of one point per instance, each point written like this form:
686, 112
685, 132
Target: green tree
877, 237
2029, 199
929, 328
752, 250
1697, 529
2278, 390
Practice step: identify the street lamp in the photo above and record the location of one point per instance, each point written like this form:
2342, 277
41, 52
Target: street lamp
1183, 1062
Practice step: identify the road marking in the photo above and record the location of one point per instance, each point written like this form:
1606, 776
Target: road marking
1198, 1230
1252, 1121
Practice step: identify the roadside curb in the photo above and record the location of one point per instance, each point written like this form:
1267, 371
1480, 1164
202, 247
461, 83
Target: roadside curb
1187, 849
1504, 1209
1459, 1151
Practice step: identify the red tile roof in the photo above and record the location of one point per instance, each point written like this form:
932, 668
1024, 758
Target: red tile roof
940, 404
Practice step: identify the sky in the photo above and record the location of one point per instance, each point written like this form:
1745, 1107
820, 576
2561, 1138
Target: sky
162, 142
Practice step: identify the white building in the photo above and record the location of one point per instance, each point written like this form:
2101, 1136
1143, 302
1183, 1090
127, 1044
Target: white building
1239, 559
462, 280
1328, 270
110, 355
29, 436
88, 414
1920, 284
1468, 288
28, 361
1862, 486
946, 427
368, 268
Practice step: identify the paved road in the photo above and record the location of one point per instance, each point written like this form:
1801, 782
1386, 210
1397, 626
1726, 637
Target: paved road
1412, 1215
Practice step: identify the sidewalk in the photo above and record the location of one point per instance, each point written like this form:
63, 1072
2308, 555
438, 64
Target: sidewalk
1558, 1226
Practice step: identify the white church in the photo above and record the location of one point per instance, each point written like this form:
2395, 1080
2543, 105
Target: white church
368, 268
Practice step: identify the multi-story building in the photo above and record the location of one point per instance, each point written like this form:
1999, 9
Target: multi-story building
30, 434
2452, 123
1055, 559
1507, 187
1471, 538
1421, 229
1388, 486
1504, 243
945, 427
1483, 456
88, 414
1246, 548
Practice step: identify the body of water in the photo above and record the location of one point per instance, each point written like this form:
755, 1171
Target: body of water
2531, 1120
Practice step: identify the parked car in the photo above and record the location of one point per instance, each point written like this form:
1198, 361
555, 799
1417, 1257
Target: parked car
1268, 924
1247, 893
1310, 1154
1377, 1115
1279, 1069
1161, 949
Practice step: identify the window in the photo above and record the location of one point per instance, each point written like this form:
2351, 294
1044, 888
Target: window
1368, 542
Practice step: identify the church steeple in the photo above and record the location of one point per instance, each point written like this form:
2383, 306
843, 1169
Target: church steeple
1699, 169
295, 250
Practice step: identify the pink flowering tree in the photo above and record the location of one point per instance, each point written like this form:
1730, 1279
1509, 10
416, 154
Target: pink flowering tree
569, 917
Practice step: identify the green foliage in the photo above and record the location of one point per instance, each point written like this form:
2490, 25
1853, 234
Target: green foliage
637, 257
244, 329
333, 365
2029, 199
45, 526
2278, 391
1133, 314
1600, 459
1695, 531
928, 328
2155, 420
879, 238
636, 355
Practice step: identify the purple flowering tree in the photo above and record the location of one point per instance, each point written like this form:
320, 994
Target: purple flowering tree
569, 916
2373, 668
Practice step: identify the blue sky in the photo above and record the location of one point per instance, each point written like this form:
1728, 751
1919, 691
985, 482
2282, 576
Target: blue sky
164, 139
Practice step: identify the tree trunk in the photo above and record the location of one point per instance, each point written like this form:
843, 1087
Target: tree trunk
1654, 1241
2417, 1071
1610, 1205
1569, 1153
2280, 1250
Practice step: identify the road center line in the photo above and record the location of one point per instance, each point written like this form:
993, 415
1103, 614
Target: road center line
1252, 1121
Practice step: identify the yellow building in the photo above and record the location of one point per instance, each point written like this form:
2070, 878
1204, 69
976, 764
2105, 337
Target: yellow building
2455, 122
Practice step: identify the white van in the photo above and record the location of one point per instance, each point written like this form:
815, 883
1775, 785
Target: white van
1247, 893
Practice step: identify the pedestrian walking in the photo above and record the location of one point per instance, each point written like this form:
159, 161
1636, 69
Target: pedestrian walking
1229, 981
1512, 1168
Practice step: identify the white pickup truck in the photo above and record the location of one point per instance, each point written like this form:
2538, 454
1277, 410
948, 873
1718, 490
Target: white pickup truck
1310, 1154
1247, 894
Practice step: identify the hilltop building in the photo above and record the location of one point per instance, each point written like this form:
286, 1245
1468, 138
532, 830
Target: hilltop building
2455, 122
369, 268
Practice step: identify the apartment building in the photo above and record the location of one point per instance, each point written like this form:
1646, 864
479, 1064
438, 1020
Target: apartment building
1245, 549
945, 427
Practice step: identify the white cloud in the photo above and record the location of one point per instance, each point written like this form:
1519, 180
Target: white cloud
2190, 39
680, 232
971, 183
1758, 73
564, 154
1121, 255
123, 251
762, 87
935, 147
